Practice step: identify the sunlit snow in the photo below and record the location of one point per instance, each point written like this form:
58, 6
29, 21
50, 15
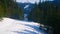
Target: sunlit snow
26, 6
11, 26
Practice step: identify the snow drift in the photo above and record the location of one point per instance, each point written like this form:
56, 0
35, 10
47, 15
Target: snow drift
11, 26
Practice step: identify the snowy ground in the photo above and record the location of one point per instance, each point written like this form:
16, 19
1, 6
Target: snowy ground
11, 26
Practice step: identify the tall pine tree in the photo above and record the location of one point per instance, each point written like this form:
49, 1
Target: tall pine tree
9, 8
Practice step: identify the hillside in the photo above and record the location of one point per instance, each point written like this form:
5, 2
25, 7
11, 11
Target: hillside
11, 26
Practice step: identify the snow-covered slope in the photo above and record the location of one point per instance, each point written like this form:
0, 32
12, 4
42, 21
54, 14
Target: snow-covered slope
11, 26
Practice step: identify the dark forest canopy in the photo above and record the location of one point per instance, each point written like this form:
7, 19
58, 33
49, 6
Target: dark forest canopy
9, 8
47, 13
44, 12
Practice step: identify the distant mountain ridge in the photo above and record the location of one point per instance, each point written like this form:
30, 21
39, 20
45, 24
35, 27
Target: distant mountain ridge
22, 5
31, 5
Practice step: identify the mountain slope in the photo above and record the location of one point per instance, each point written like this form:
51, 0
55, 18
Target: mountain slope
11, 26
27, 9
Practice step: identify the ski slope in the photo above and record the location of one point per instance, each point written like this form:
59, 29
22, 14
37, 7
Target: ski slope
12, 26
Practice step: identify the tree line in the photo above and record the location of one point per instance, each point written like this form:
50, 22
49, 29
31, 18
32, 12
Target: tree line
9, 8
46, 13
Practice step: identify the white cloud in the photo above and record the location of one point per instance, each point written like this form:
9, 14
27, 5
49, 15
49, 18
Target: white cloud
27, 1
31, 1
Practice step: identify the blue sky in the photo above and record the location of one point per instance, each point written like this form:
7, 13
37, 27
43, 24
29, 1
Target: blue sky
31, 1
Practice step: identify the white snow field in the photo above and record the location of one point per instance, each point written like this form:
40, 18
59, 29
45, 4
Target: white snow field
12, 26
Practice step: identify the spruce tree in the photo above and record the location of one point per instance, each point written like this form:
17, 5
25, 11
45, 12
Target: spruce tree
9, 8
34, 14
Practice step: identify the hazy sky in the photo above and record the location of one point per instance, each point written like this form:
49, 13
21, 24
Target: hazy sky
31, 1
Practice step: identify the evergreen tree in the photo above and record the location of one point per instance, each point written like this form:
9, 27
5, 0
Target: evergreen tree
34, 14
9, 8
46, 13
50, 15
1, 9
